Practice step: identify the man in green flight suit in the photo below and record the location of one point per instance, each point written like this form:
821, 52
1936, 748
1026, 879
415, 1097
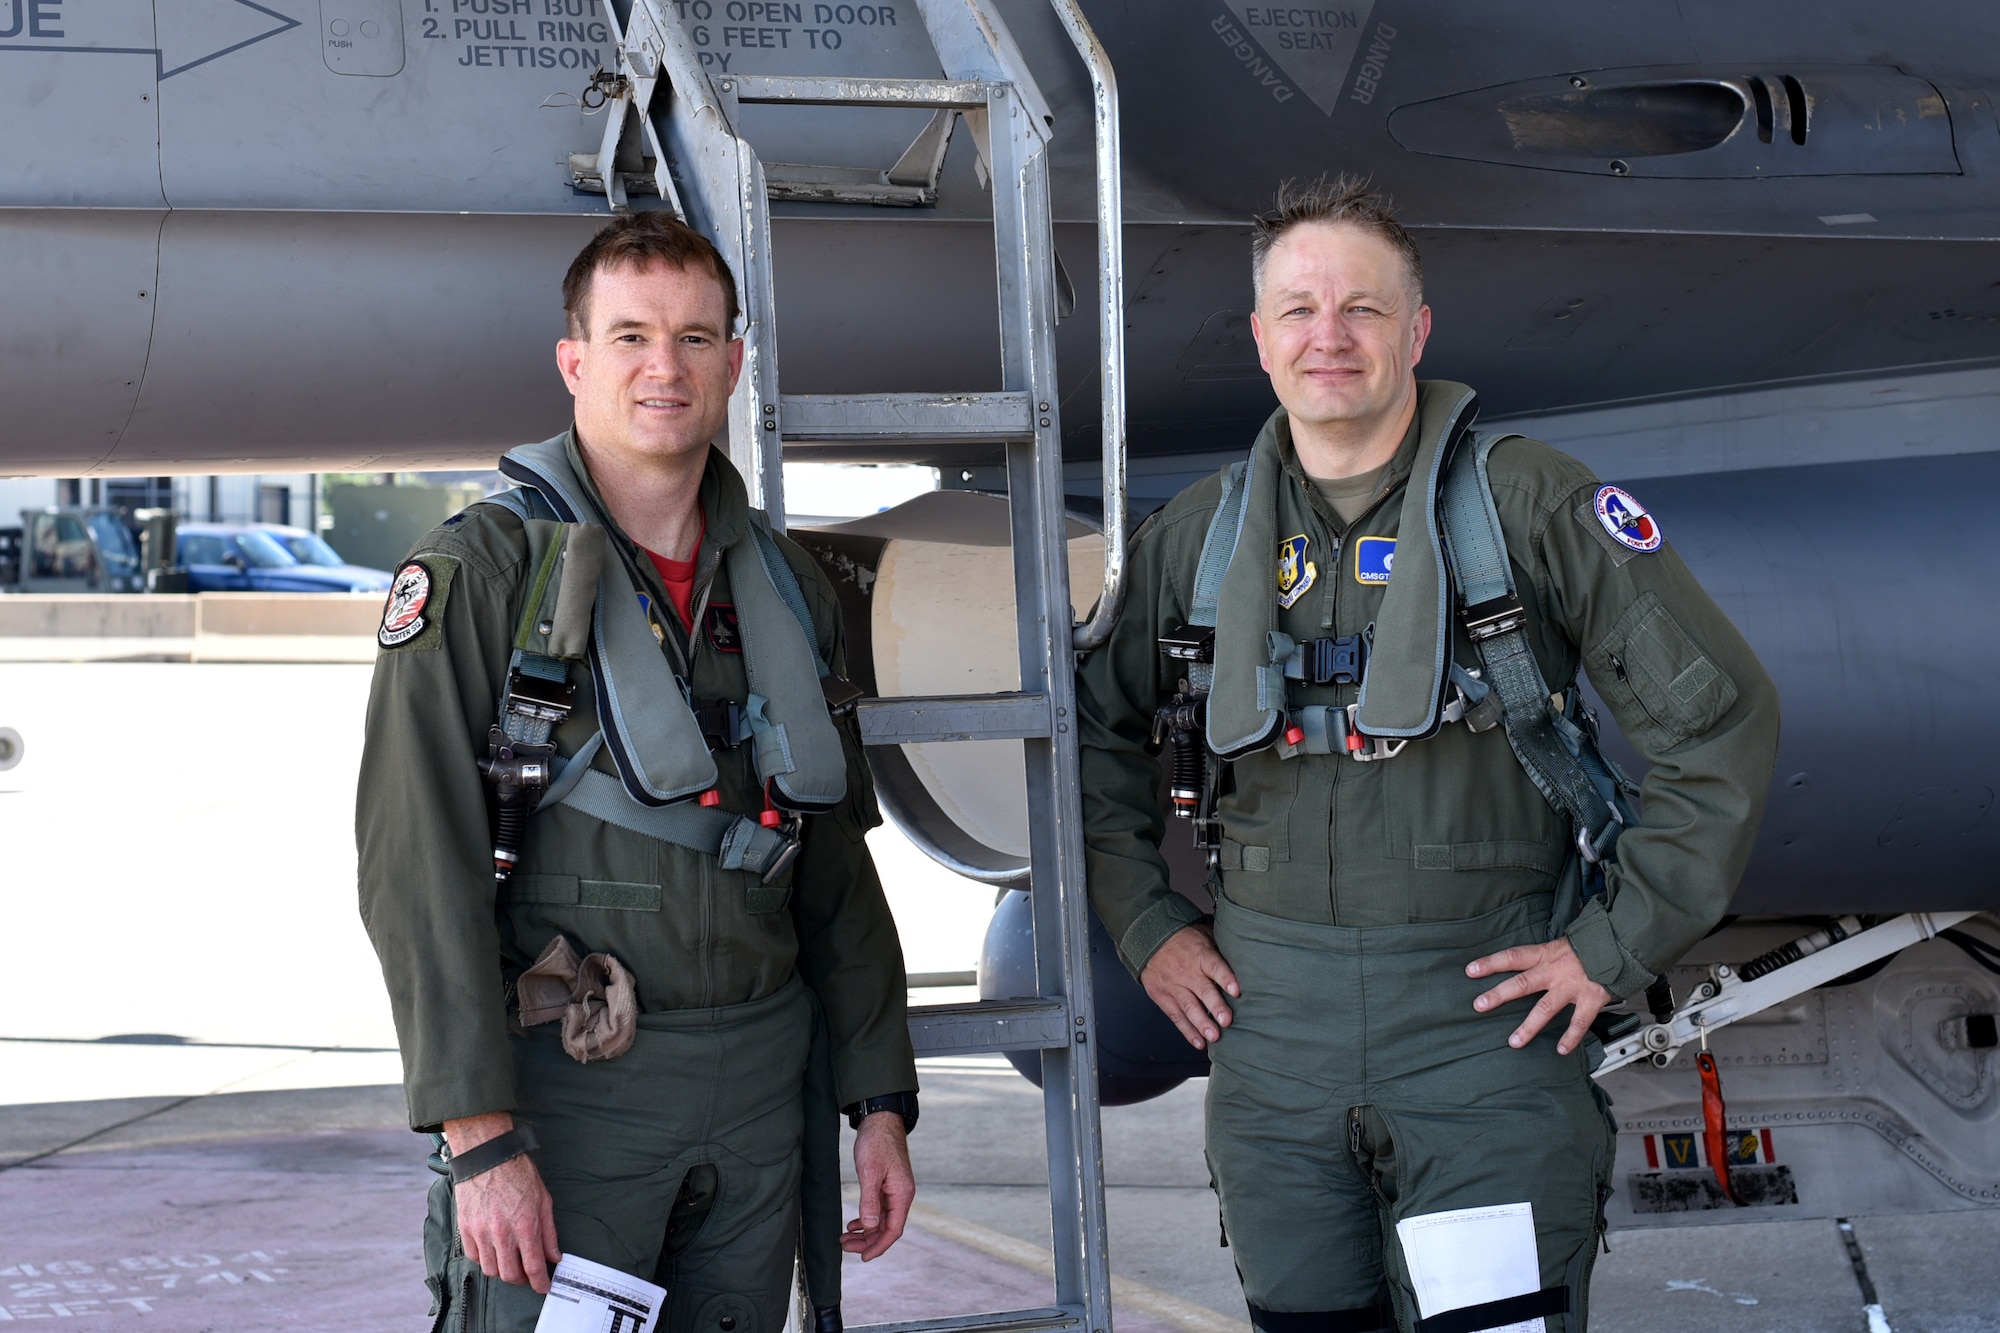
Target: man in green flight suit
691, 896
1371, 888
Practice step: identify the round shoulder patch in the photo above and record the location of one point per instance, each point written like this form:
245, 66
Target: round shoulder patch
403, 614
1626, 519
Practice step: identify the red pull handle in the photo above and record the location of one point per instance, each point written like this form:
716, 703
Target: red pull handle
1714, 1137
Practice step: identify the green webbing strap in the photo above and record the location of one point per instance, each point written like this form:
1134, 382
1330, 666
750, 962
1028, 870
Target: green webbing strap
787, 584
1218, 547
738, 843
1477, 550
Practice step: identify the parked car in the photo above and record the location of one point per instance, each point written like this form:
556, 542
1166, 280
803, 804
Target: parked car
309, 548
238, 557
76, 549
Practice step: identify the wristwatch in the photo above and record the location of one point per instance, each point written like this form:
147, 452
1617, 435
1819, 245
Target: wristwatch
902, 1103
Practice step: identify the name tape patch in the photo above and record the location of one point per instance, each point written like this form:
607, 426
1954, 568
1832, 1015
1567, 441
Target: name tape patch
403, 614
1374, 559
1626, 519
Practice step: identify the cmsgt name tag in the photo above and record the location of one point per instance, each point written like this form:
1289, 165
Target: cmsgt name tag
1374, 559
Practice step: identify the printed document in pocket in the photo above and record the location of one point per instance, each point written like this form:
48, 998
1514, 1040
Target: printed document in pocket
1471, 1256
589, 1298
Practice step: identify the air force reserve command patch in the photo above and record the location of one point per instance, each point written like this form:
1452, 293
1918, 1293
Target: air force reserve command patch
1374, 559
1626, 519
403, 614
1295, 572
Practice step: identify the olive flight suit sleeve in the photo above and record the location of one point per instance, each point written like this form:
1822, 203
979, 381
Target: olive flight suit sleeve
421, 826
1686, 690
1118, 687
849, 951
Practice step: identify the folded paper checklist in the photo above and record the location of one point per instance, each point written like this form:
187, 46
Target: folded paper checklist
1471, 1256
589, 1298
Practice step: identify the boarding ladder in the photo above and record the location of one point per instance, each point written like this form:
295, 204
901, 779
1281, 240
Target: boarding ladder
669, 130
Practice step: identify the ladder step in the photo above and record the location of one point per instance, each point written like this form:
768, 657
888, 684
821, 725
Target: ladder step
946, 418
801, 90
953, 717
842, 185
1010, 1321
989, 1025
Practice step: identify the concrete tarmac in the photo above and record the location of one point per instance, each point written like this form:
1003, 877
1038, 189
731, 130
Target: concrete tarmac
199, 1128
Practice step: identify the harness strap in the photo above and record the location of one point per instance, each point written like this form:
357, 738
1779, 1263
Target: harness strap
787, 583
1491, 611
738, 843
1218, 547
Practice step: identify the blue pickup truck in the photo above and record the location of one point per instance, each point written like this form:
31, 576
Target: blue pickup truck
237, 557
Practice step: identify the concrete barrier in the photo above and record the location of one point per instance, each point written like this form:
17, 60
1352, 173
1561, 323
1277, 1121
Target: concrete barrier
187, 615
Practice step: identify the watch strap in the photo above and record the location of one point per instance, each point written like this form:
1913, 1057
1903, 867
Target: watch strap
902, 1103
493, 1152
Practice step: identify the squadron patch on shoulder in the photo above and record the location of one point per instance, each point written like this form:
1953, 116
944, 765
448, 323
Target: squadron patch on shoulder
1374, 559
403, 616
1626, 520
1295, 572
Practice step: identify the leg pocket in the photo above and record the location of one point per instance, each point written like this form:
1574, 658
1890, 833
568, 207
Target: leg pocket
1543, 1146
463, 1299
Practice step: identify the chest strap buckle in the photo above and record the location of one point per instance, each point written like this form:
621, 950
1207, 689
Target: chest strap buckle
720, 720
1340, 661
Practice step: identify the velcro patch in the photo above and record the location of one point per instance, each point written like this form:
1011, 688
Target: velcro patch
719, 624
414, 610
1374, 559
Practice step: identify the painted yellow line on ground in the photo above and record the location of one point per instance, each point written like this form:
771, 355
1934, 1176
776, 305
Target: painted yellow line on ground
1125, 1293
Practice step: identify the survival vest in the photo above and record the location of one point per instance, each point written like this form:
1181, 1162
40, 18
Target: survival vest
1451, 557
582, 609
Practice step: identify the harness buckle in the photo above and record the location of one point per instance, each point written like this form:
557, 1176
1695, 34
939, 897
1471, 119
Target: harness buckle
1340, 661
1366, 749
1592, 849
539, 699
788, 829
1497, 616
720, 721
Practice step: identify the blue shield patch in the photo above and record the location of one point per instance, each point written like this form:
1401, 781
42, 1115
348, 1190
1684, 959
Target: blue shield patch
1374, 559
1295, 572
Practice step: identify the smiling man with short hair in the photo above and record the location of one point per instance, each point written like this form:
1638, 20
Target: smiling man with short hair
611, 829
1393, 815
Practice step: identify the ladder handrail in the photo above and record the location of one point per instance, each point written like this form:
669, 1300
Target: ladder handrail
1111, 319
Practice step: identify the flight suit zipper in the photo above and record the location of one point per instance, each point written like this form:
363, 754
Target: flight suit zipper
1618, 670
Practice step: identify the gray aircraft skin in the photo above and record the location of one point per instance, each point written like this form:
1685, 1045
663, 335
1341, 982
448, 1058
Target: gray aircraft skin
1738, 256
1741, 256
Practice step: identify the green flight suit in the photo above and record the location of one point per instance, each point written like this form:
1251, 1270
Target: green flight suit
1357, 1086
679, 1160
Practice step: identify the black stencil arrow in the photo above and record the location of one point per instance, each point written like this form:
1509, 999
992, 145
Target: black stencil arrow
284, 23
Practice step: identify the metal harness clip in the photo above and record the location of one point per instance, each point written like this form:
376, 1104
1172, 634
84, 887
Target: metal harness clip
1496, 616
1366, 749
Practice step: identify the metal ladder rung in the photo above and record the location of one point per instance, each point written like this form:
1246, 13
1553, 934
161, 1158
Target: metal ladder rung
1007, 1321
950, 418
842, 185
801, 90
990, 1025
953, 717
